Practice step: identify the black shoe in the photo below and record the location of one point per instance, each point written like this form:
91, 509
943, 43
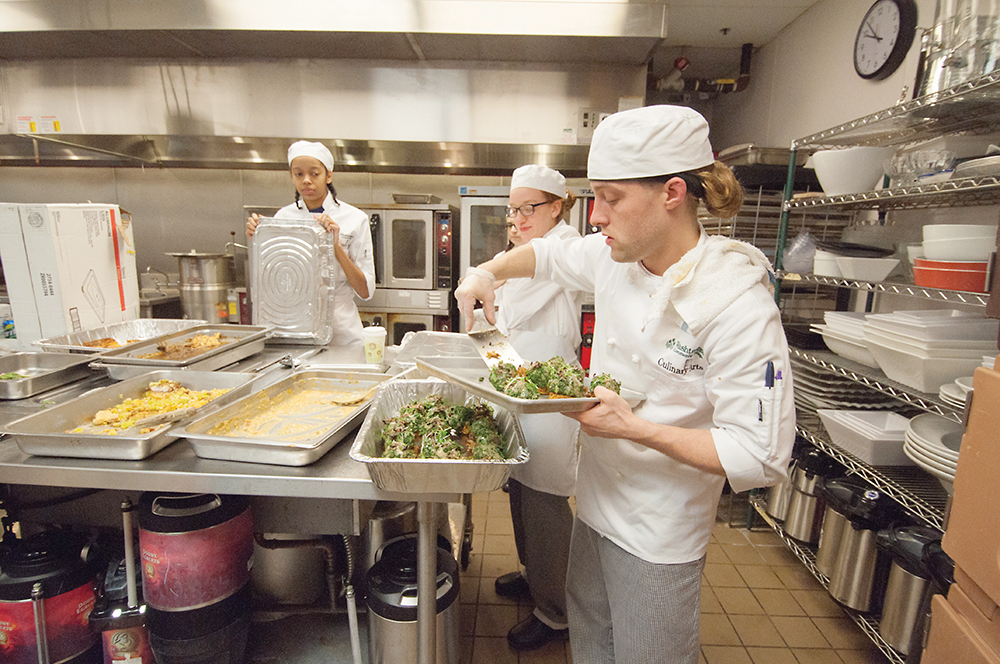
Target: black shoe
532, 633
513, 586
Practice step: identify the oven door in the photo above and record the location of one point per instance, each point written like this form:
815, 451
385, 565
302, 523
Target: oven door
379, 318
400, 324
408, 252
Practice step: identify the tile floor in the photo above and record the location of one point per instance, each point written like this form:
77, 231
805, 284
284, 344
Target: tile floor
759, 603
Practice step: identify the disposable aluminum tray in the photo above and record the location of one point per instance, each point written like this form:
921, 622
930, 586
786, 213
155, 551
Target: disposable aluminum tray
138, 329
433, 475
45, 433
239, 335
474, 375
41, 371
331, 423
217, 361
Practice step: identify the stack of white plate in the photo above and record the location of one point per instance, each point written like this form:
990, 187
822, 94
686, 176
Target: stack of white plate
816, 388
844, 334
955, 393
989, 361
927, 349
874, 437
932, 443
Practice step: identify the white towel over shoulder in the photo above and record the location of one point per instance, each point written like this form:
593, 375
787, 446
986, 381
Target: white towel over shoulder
708, 279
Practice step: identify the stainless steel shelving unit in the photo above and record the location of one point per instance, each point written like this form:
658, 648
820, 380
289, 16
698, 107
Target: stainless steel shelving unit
867, 624
894, 288
963, 191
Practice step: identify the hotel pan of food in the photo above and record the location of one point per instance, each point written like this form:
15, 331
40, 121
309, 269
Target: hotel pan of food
430, 436
130, 420
116, 335
292, 422
24, 375
202, 348
521, 394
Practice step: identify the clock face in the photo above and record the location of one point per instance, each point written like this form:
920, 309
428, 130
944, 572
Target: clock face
877, 37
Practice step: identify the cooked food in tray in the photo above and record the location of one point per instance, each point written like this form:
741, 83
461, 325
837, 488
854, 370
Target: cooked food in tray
190, 347
164, 402
105, 342
433, 429
12, 375
554, 378
302, 412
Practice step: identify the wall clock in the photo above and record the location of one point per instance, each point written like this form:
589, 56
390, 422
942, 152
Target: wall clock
884, 38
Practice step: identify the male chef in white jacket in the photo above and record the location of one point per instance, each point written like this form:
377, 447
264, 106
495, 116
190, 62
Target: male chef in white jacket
690, 321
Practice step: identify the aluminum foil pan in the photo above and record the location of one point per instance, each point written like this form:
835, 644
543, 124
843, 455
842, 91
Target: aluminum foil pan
433, 475
292, 267
46, 433
435, 344
311, 433
41, 371
138, 329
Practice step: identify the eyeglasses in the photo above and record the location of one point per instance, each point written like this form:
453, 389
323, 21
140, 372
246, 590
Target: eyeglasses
526, 210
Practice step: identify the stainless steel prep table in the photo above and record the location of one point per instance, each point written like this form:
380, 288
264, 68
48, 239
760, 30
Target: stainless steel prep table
334, 477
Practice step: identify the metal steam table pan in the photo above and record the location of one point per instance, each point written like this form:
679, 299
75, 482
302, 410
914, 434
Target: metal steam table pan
290, 434
125, 333
46, 433
233, 335
433, 475
473, 374
41, 371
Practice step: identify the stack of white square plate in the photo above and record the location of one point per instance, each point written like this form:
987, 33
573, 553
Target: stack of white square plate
933, 442
818, 388
927, 349
874, 437
844, 334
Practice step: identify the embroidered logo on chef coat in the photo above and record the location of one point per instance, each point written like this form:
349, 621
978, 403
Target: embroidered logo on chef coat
680, 358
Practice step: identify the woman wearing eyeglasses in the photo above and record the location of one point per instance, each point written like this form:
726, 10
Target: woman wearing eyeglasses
542, 320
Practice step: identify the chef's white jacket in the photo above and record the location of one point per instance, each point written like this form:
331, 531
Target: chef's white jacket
356, 239
659, 509
542, 320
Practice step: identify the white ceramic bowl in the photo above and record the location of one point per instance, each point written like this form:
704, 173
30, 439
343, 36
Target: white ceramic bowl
959, 249
958, 231
851, 170
878, 448
866, 269
914, 251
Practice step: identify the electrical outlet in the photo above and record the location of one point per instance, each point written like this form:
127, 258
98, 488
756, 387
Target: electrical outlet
586, 120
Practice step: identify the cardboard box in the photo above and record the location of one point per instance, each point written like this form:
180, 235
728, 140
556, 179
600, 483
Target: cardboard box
17, 275
81, 260
972, 538
951, 639
979, 611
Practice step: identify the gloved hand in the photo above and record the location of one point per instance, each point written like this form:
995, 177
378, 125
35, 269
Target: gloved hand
476, 286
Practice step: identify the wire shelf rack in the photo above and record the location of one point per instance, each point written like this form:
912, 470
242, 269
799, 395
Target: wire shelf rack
893, 288
963, 191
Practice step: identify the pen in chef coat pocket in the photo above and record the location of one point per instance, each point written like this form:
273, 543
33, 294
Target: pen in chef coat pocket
768, 383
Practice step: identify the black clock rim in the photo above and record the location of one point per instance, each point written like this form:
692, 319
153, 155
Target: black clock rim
907, 32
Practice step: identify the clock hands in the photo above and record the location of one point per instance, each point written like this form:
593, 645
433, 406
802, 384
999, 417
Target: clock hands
872, 34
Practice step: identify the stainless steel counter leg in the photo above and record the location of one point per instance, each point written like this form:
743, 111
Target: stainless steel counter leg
426, 583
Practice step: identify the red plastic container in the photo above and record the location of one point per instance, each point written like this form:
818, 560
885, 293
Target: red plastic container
969, 276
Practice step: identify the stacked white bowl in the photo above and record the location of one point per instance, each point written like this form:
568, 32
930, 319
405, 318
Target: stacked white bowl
844, 334
874, 437
959, 242
926, 349
933, 443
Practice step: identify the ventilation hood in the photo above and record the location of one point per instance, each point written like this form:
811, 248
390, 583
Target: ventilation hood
579, 31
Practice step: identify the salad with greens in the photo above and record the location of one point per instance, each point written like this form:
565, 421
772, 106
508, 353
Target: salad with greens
433, 429
554, 378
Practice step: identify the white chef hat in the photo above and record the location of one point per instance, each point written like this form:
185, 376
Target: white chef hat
309, 149
649, 141
541, 178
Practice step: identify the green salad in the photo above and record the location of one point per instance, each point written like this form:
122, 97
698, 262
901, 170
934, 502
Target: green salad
554, 378
433, 429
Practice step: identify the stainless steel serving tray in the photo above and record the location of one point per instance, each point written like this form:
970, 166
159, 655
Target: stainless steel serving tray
331, 422
41, 371
135, 330
474, 375
433, 475
240, 335
45, 433
235, 353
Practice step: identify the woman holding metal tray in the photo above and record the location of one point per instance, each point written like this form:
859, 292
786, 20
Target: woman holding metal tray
311, 167
542, 320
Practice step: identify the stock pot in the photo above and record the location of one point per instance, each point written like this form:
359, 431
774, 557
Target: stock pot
205, 280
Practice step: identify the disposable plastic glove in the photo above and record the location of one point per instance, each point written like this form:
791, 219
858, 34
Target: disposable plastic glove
477, 286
